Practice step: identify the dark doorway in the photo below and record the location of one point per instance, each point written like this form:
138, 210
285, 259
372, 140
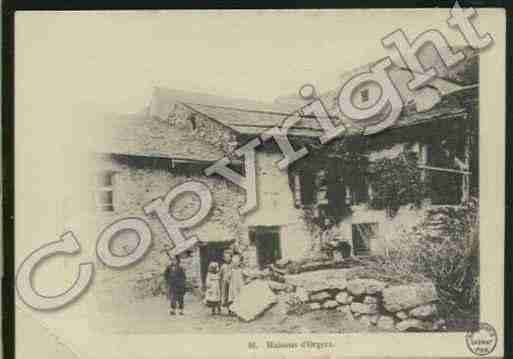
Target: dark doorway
212, 251
344, 249
267, 242
363, 234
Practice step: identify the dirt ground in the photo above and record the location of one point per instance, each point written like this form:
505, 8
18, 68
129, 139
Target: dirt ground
151, 315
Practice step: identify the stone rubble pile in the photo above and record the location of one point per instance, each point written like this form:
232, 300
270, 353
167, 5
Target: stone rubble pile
410, 307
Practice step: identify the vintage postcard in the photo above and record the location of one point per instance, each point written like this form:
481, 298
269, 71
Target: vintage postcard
260, 184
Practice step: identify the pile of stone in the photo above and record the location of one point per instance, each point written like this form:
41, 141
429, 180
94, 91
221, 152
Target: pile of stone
373, 302
414, 306
254, 299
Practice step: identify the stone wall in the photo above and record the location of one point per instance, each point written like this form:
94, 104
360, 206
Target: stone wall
386, 305
135, 185
205, 129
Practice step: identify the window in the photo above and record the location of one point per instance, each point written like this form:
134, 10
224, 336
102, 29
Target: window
445, 183
314, 188
307, 193
363, 234
104, 191
365, 95
359, 191
193, 123
321, 187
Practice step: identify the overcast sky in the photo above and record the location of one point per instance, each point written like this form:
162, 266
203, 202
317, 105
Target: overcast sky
113, 59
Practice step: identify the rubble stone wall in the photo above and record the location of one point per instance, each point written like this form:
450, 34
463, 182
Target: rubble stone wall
134, 187
206, 129
390, 307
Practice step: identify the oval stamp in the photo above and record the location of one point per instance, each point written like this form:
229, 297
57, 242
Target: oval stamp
483, 340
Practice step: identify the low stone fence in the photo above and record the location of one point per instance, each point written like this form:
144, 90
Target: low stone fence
405, 307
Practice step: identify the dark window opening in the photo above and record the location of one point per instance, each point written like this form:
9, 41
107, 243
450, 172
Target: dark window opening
323, 189
445, 187
337, 206
344, 249
307, 186
193, 123
359, 191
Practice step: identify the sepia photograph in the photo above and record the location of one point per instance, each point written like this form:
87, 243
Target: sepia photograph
264, 182
366, 232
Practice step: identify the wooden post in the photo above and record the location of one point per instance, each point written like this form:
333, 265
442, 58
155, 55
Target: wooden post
465, 186
297, 190
441, 169
423, 158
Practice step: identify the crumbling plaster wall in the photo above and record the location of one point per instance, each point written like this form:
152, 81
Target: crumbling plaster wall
275, 207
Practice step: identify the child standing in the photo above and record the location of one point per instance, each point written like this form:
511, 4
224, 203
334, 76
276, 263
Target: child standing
226, 274
236, 279
175, 278
213, 288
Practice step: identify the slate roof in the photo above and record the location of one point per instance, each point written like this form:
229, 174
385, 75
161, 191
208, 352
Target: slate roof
140, 135
254, 118
255, 122
144, 135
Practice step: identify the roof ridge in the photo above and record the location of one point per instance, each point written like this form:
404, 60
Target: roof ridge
257, 111
240, 109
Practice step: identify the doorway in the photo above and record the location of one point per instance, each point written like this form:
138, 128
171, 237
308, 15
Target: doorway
267, 242
211, 252
363, 235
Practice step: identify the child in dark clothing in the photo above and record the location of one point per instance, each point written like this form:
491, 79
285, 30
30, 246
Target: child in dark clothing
175, 278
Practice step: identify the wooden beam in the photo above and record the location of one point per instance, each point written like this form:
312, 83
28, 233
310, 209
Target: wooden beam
444, 169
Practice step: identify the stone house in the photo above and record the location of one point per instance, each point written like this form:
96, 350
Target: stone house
143, 156
439, 125
180, 134
136, 163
